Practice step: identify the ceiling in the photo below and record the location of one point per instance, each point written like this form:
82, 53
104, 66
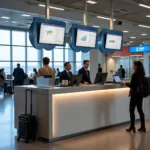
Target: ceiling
127, 11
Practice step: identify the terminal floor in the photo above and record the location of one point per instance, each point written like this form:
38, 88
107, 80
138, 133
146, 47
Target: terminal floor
111, 139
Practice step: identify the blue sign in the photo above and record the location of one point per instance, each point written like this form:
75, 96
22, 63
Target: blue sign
139, 49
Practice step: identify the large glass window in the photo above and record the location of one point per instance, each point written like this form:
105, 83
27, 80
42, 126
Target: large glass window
18, 53
18, 38
58, 54
5, 37
4, 53
28, 40
33, 54
6, 66
47, 54
15, 47
22, 65
31, 65
59, 65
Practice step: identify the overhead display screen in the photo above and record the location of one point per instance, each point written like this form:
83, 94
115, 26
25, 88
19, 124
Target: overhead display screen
86, 38
113, 42
52, 34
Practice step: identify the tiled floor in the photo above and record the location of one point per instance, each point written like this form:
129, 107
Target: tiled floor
110, 139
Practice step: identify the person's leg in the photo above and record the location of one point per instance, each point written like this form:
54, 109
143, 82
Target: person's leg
140, 111
131, 110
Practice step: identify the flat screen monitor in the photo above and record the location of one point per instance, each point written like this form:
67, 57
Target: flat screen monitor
113, 42
100, 78
86, 38
117, 79
75, 79
52, 34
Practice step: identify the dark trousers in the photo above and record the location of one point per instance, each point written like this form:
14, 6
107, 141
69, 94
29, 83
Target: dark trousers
136, 101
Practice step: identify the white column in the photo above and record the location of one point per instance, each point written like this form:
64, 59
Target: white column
96, 57
147, 60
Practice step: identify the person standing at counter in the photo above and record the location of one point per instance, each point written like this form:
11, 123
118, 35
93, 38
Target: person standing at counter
18, 75
99, 68
136, 100
46, 70
85, 72
66, 74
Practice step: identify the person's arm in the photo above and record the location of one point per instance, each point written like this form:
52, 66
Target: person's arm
14, 72
132, 83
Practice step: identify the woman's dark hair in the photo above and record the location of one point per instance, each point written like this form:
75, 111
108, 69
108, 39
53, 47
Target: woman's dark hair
35, 71
139, 68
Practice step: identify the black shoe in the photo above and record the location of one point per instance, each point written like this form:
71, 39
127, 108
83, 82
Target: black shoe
131, 129
142, 129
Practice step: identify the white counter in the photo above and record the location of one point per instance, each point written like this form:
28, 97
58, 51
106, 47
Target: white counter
67, 111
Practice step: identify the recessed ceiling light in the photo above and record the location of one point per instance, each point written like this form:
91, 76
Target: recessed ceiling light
57, 8
91, 1
132, 37
125, 31
144, 26
4, 17
131, 42
96, 26
106, 18
148, 16
146, 6
14, 22
143, 34
25, 15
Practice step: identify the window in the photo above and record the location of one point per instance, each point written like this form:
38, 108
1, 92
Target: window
33, 54
59, 65
28, 40
31, 65
5, 53
78, 66
6, 66
18, 53
47, 54
5, 37
58, 54
22, 65
78, 56
18, 38
69, 55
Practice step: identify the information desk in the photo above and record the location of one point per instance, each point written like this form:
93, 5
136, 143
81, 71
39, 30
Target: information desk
64, 112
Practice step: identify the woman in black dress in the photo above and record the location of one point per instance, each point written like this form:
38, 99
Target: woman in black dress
136, 96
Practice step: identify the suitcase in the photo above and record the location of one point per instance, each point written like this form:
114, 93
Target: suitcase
27, 123
9, 90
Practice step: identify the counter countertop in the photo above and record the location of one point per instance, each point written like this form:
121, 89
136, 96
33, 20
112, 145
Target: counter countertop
61, 90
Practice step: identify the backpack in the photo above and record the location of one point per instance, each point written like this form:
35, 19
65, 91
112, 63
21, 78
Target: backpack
146, 87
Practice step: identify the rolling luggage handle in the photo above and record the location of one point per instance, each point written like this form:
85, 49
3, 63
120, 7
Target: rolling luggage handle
26, 92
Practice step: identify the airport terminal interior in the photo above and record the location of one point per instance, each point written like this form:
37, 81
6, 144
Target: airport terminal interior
88, 109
